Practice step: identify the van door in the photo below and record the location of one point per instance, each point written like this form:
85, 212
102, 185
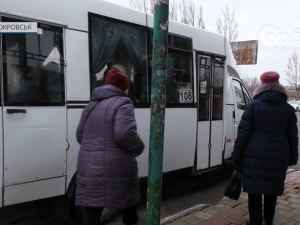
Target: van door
34, 114
241, 99
210, 73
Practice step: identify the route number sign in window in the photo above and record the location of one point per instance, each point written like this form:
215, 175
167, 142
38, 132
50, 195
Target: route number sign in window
185, 95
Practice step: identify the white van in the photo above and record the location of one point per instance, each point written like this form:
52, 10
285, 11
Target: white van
47, 79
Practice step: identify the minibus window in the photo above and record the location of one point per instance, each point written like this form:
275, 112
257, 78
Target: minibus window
33, 67
179, 81
239, 95
218, 75
204, 71
247, 97
119, 44
180, 71
210, 76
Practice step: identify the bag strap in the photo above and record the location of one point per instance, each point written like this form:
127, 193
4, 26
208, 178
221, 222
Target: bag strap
96, 103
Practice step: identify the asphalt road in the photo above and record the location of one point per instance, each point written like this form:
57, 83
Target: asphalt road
181, 194
52, 211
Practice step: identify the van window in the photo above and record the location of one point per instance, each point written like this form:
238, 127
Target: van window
241, 96
33, 67
180, 71
210, 78
218, 74
123, 45
204, 71
179, 81
246, 95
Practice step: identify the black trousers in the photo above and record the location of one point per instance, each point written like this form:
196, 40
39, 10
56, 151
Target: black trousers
92, 215
255, 208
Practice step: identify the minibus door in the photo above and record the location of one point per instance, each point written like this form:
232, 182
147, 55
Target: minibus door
210, 72
34, 114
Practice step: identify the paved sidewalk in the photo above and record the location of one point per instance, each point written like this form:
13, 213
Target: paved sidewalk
231, 212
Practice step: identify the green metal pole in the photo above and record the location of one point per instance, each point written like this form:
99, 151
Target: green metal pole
158, 104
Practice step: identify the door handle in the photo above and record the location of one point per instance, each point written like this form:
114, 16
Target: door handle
10, 111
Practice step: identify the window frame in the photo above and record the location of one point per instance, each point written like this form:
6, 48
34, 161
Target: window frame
43, 25
211, 61
188, 51
244, 92
93, 80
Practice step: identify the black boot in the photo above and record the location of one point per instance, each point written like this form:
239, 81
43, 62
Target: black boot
268, 222
91, 216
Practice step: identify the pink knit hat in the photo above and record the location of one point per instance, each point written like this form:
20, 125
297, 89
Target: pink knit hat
269, 77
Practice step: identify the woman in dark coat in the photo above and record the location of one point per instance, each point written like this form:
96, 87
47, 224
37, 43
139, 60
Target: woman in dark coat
267, 143
107, 171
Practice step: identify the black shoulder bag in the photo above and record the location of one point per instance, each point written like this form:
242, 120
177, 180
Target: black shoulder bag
234, 187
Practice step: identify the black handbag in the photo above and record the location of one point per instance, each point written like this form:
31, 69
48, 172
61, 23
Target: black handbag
234, 187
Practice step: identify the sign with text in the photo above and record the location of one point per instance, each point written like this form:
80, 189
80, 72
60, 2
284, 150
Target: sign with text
18, 27
185, 95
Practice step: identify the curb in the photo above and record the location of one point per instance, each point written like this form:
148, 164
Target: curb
290, 171
199, 207
183, 213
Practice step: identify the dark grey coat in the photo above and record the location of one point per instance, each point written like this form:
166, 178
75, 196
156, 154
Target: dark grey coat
107, 170
267, 141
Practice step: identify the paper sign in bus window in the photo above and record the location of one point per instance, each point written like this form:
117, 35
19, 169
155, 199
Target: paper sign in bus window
185, 95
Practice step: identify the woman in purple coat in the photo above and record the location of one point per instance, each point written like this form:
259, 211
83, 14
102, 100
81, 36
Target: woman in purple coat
107, 171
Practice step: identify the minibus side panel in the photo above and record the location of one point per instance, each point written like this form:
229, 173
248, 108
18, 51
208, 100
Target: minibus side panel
216, 140
73, 149
203, 142
77, 74
142, 117
33, 190
229, 130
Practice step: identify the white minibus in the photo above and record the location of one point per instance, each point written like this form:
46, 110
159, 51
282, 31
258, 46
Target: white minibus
47, 79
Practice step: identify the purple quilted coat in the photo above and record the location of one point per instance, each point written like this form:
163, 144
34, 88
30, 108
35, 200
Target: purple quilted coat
107, 170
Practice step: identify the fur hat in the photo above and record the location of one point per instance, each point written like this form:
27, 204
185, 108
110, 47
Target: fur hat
269, 77
117, 78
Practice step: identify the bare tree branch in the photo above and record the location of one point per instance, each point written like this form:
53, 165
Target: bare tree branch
187, 10
232, 27
251, 83
228, 26
183, 11
293, 72
191, 12
219, 26
200, 21
151, 8
138, 5
173, 11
